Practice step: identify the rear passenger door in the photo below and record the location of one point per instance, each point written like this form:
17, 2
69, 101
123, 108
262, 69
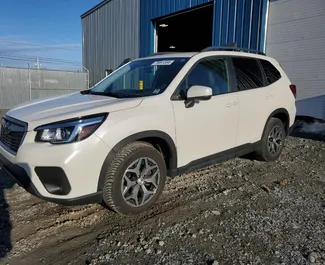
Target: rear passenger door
254, 107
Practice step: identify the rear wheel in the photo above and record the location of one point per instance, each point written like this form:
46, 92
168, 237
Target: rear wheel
272, 141
135, 179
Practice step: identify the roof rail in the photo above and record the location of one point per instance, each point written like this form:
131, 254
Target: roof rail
230, 48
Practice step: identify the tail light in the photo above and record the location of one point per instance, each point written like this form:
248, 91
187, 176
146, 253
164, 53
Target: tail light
293, 89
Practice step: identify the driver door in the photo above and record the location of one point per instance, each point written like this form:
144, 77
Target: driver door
207, 127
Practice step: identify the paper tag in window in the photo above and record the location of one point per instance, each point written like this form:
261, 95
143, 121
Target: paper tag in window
156, 91
169, 62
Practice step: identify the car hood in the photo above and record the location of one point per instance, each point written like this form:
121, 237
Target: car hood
43, 111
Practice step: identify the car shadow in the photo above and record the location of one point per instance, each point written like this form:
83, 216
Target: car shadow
6, 182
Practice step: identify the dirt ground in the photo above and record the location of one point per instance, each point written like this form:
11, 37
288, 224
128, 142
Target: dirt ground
237, 212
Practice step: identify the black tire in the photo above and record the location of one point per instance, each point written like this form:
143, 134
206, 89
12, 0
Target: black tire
112, 194
263, 153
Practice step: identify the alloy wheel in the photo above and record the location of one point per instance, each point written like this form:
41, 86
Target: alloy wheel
140, 182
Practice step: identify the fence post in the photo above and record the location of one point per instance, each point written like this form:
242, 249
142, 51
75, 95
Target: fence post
87, 79
30, 83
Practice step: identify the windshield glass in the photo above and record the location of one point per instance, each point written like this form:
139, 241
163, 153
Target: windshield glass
140, 78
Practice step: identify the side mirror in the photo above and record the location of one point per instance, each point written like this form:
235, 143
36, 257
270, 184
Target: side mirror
199, 92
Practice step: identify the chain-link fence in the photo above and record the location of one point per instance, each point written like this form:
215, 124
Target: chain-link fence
18, 85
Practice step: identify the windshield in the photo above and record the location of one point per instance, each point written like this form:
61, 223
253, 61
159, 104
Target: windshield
140, 78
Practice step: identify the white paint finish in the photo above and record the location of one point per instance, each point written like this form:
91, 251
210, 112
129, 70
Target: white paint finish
296, 38
44, 111
81, 162
207, 128
252, 116
199, 91
154, 113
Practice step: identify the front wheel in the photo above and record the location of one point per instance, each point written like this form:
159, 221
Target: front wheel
272, 141
135, 179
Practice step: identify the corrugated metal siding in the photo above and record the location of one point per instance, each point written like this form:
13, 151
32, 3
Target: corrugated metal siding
152, 9
296, 38
110, 34
240, 21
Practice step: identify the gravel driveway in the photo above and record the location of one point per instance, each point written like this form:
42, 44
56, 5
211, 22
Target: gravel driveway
237, 212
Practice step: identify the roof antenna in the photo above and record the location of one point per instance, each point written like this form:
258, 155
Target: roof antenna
232, 44
127, 60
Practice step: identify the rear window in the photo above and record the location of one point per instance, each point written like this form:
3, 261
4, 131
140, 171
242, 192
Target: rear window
248, 73
271, 73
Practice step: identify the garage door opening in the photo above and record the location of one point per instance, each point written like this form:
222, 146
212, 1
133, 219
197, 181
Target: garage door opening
188, 31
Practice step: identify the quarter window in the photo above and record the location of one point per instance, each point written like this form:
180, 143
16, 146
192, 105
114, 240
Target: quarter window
211, 73
271, 73
248, 73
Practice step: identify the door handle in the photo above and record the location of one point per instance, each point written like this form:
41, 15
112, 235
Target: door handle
231, 104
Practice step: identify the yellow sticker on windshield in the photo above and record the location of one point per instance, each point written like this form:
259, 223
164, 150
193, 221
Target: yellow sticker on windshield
140, 85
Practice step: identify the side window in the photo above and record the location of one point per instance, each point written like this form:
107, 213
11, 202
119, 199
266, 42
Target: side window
211, 73
272, 74
248, 73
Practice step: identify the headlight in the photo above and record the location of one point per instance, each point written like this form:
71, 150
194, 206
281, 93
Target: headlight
69, 131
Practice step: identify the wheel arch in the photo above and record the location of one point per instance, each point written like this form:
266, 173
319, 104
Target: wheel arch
281, 114
161, 141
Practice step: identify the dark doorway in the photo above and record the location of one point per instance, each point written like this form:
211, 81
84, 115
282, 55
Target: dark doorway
188, 31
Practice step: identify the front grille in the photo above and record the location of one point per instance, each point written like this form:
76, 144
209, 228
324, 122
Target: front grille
12, 133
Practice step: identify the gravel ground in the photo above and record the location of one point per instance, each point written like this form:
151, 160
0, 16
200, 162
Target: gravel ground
237, 212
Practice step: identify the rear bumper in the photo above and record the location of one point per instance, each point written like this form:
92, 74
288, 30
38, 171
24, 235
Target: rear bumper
23, 180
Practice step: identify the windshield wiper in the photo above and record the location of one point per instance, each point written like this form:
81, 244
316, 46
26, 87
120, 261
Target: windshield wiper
112, 94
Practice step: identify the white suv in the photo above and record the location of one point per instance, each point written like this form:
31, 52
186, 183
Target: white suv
158, 116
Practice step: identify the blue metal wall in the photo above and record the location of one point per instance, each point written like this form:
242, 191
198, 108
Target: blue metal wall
241, 21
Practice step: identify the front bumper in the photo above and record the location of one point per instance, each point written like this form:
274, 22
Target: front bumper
23, 180
66, 174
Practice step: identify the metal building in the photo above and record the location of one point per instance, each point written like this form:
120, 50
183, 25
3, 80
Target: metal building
296, 38
118, 29
110, 33
289, 30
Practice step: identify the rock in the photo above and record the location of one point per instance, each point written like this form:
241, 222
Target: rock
226, 192
194, 235
215, 262
215, 212
148, 251
201, 232
241, 189
161, 243
283, 183
266, 188
312, 257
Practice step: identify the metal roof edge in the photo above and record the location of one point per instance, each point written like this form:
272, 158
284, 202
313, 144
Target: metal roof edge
96, 7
